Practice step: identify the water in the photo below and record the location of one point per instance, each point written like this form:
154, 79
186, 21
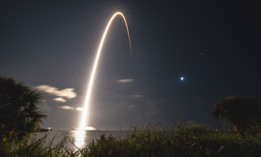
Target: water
90, 135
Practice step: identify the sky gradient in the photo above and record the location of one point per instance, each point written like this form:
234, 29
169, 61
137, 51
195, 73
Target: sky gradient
50, 46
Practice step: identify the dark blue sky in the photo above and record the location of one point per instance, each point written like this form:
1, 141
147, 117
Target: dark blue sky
214, 45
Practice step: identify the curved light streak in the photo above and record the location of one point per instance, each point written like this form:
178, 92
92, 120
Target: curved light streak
80, 135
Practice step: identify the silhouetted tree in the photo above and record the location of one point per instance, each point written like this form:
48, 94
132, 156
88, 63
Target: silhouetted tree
19, 112
243, 113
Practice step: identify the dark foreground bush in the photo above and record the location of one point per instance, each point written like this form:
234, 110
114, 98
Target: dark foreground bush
191, 141
186, 141
36, 147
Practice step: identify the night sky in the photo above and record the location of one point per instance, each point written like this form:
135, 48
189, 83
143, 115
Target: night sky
214, 46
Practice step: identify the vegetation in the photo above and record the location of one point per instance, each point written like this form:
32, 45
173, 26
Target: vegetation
186, 141
19, 113
19, 116
242, 113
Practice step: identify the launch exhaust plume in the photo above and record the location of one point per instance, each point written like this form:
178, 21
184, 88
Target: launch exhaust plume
85, 111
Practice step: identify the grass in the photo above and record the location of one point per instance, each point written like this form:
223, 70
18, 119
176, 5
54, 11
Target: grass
185, 141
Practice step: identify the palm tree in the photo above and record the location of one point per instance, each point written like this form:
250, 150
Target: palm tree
19, 108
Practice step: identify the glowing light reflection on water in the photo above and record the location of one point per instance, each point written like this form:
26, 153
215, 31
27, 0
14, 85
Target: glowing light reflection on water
90, 135
80, 138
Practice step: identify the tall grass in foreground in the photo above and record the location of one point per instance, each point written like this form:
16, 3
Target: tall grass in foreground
190, 141
186, 141
31, 146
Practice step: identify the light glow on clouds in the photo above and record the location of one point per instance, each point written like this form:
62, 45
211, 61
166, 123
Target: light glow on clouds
128, 80
66, 107
87, 128
79, 109
90, 128
59, 99
62, 94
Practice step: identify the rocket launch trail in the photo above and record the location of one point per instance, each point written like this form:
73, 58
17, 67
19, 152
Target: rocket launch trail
85, 112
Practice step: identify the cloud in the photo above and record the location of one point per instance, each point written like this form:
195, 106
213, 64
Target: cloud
128, 80
66, 107
59, 99
78, 108
66, 93
88, 128
137, 96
